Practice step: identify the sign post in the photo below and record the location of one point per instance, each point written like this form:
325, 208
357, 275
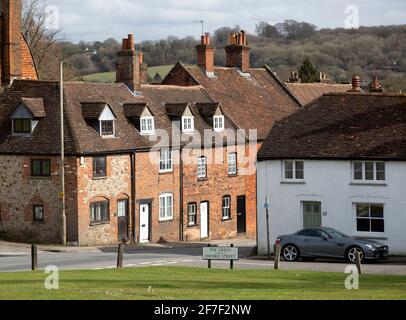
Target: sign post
221, 254
267, 228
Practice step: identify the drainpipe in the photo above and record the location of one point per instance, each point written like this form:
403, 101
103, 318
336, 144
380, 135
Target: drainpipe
133, 198
181, 231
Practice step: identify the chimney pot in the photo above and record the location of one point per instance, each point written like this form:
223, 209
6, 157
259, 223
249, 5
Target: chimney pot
237, 52
356, 84
205, 54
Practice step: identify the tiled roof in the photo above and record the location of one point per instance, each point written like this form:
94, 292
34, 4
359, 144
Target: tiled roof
83, 105
36, 106
342, 126
253, 102
308, 92
92, 110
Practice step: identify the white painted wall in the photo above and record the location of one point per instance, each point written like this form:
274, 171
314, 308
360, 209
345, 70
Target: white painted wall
330, 182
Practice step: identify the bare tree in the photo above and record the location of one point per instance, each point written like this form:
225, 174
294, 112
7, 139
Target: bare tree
40, 38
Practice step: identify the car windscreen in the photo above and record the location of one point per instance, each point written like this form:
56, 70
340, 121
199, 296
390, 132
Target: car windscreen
336, 234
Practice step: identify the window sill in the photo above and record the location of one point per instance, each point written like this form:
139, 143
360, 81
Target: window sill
192, 226
166, 220
233, 175
373, 236
99, 178
40, 177
38, 222
372, 184
226, 220
166, 172
202, 179
95, 224
293, 182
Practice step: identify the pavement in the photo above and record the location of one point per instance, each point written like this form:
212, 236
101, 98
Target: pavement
16, 257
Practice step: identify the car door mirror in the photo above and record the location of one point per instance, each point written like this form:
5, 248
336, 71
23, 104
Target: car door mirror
325, 237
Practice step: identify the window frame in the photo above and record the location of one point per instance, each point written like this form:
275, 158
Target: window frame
370, 218
192, 204
147, 131
21, 132
364, 179
166, 216
101, 221
224, 207
37, 206
99, 176
233, 173
166, 163
110, 134
294, 171
199, 165
41, 174
222, 122
192, 124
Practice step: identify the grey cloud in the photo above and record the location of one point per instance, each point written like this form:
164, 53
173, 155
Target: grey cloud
156, 19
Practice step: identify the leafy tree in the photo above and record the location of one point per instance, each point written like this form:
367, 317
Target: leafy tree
308, 73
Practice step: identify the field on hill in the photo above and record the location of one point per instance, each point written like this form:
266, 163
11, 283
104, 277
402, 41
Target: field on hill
169, 283
109, 77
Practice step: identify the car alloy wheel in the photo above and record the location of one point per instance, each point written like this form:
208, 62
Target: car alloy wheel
290, 253
353, 252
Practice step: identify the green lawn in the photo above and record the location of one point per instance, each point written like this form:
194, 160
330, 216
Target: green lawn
109, 77
169, 283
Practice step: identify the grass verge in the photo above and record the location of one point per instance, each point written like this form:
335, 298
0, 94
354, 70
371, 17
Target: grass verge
168, 283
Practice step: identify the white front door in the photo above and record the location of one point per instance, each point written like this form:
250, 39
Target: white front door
204, 220
144, 223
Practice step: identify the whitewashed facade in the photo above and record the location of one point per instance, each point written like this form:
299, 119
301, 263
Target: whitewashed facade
340, 200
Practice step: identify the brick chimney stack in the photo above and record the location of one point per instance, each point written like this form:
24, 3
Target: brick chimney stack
356, 84
10, 48
130, 67
205, 54
375, 86
237, 52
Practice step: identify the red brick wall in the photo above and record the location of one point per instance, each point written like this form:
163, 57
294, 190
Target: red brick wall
238, 56
150, 184
212, 190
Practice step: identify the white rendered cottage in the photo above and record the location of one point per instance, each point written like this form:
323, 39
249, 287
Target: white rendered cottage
339, 162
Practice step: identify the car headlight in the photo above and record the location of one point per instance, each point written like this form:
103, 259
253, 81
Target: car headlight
370, 247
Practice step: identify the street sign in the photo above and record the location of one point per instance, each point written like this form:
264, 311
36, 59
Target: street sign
220, 253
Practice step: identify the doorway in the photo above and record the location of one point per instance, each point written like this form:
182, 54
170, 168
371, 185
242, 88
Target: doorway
145, 235
241, 215
204, 220
312, 215
122, 216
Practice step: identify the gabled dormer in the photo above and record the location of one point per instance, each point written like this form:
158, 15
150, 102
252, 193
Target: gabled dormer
188, 120
213, 114
26, 116
182, 112
101, 117
141, 117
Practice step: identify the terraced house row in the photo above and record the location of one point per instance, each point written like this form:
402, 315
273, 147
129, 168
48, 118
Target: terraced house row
123, 180
168, 162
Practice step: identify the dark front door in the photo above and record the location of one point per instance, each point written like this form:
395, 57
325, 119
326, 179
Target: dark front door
241, 215
122, 216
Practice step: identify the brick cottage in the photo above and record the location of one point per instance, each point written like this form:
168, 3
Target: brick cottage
144, 163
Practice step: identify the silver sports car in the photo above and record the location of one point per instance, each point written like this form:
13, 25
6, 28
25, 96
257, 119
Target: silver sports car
313, 243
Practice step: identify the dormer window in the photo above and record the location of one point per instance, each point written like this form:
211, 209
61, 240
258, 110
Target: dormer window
188, 124
22, 126
107, 128
107, 123
218, 123
26, 115
147, 125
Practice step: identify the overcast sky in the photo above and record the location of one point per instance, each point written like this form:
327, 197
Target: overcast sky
156, 19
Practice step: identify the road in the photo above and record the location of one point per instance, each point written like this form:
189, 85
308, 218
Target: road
172, 256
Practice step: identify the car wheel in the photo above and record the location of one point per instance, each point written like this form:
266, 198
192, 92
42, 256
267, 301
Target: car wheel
352, 253
290, 253
308, 259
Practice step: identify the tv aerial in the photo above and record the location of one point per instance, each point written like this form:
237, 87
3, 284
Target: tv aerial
202, 23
